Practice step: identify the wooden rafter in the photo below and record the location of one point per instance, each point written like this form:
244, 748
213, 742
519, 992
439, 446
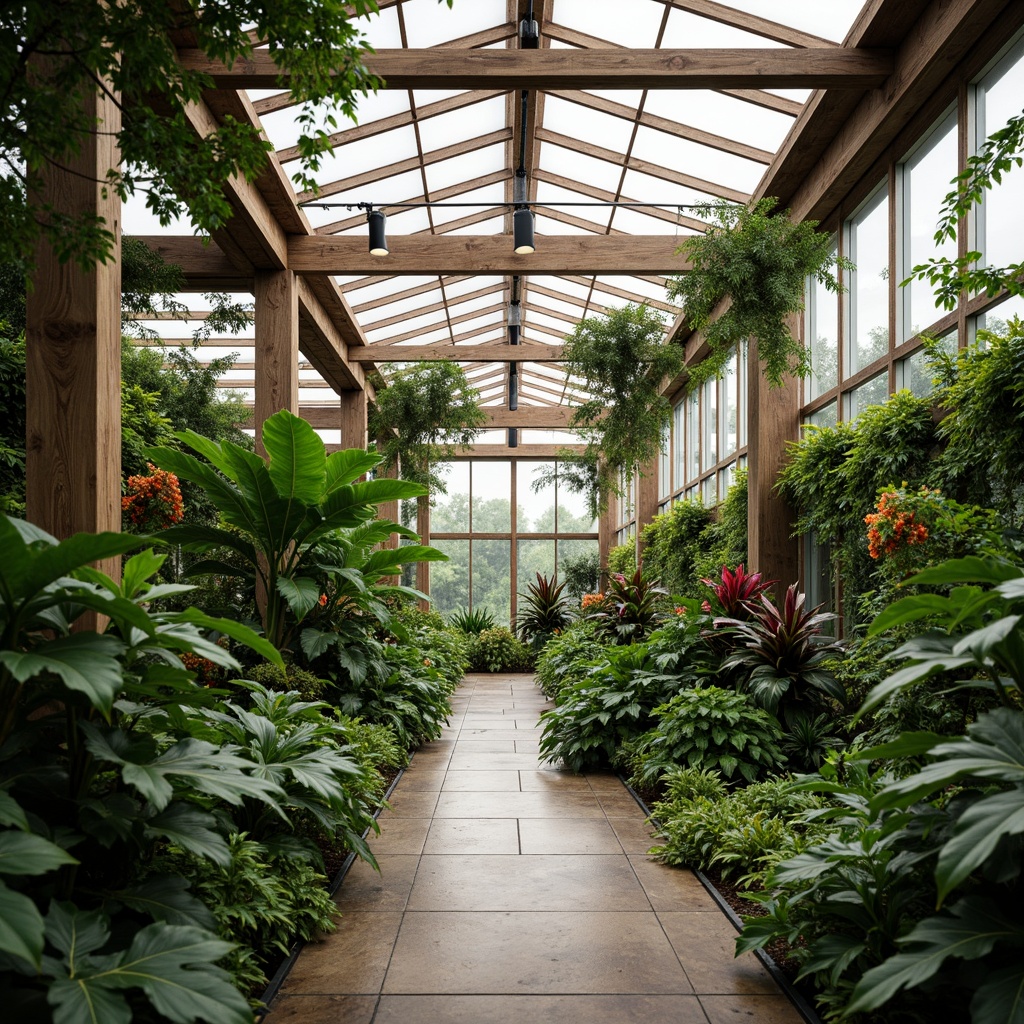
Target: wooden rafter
829, 67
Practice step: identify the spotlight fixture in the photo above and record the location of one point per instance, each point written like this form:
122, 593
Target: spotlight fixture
529, 33
378, 240
513, 437
522, 231
513, 386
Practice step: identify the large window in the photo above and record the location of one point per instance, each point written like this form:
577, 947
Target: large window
501, 522
868, 246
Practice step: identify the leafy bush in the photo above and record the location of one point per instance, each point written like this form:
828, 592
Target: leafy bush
498, 650
613, 704
263, 904
376, 747
566, 657
97, 772
622, 559
544, 611
291, 677
704, 729
704, 825
673, 544
581, 575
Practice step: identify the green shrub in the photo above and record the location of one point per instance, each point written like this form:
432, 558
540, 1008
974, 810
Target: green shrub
749, 829
263, 903
673, 545
581, 575
305, 683
632, 607
622, 560
376, 747
725, 539
498, 650
473, 621
612, 705
543, 613
566, 657
704, 729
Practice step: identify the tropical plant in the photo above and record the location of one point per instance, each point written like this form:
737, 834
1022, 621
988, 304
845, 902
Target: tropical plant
672, 544
581, 575
621, 361
280, 514
622, 559
566, 657
472, 621
761, 264
707, 728
544, 611
783, 650
632, 607
976, 633
738, 591
809, 739
98, 771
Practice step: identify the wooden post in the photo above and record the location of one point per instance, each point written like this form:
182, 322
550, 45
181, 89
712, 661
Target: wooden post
605, 540
277, 347
646, 506
73, 353
774, 420
423, 529
353, 419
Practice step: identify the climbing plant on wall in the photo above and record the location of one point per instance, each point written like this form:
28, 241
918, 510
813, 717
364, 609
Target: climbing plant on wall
760, 263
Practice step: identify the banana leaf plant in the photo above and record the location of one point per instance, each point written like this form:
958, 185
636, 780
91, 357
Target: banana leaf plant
286, 519
86, 796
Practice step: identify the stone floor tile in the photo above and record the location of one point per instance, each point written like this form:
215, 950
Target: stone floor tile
411, 803
524, 953
476, 761
539, 883
774, 1009
487, 744
563, 1009
619, 805
634, 833
349, 961
322, 1010
398, 835
481, 782
420, 782
517, 805
477, 836
671, 888
567, 835
706, 947
387, 889
552, 780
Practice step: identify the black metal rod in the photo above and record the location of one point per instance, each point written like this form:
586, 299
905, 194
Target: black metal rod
497, 204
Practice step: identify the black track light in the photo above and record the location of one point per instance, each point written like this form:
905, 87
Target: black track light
522, 231
513, 437
513, 386
529, 34
514, 321
378, 239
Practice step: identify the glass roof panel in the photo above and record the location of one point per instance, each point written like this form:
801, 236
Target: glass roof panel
643, 187
710, 164
471, 284
382, 29
722, 115
446, 173
366, 154
570, 164
686, 30
639, 222
639, 29
579, 122
830, 20
459, 125
494, 226
381, 289
428, 23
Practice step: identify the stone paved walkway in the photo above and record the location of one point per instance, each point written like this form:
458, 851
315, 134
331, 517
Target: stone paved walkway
509, 892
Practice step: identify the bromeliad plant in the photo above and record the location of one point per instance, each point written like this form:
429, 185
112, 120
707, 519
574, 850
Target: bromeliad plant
631, 608
544, 613
783, 650
279, 515
738, 591
87, 795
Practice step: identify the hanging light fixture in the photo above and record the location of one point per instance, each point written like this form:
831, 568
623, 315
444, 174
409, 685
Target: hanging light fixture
513, 386
515, 320
522, 231
378, 239
513, 437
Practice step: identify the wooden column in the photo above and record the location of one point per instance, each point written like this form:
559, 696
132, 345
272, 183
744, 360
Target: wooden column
423, 529
605, 539
646, 500
73, 354
774, 419
353, 419
277, 347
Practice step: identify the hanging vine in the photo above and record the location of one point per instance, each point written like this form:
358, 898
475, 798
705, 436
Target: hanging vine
760, 263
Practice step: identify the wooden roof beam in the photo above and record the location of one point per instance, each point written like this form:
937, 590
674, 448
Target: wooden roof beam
500, 351
830, 67
487, 254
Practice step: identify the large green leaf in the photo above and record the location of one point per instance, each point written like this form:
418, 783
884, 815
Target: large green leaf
203, 538
315, 642
171, 964
976, 836
229, 627
276, 519
298, 462
1000, 998
11, 812
347, 466
23, 853
387, 559
192, 829
21, 926
971, 569
970, 930
301, 594
166, 898
385, 489
85, 662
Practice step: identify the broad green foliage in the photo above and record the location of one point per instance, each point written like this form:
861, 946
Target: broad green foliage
621, 361
632, 607
566, 657
707, 728
581, 575
134, 49
472, 622
761, 264
622, 559
294, 519
673, 545
12, 434
95, 742
749, 829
